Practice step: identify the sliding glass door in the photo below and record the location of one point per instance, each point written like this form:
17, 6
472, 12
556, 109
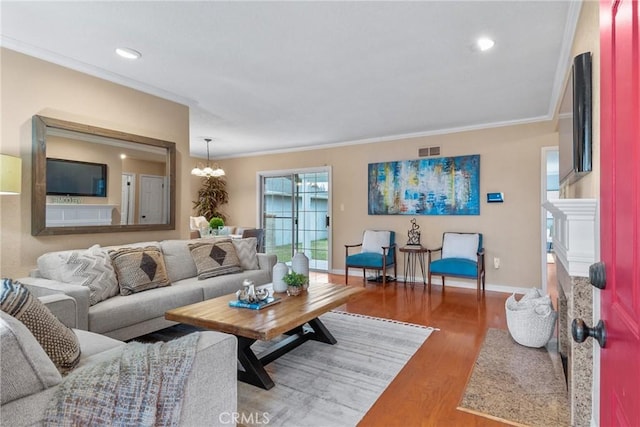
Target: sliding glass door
295, 215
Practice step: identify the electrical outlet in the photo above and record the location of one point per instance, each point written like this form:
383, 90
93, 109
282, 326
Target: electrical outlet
496, 262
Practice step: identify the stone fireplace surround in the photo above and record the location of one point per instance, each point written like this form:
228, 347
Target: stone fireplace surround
574, 242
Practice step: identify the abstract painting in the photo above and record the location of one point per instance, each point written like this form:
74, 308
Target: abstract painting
438, 186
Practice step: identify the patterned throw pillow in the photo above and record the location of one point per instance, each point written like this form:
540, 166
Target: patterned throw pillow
58, 341
215, 259
91, 268
139, 269
247, 252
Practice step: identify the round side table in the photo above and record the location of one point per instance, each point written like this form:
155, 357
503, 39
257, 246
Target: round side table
414, 255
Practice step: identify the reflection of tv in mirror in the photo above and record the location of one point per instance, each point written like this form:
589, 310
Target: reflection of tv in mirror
575, 121
73, 178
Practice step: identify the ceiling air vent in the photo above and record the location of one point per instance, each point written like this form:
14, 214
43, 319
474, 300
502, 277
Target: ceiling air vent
429, 151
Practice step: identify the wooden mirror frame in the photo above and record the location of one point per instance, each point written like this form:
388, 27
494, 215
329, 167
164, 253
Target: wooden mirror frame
39, 177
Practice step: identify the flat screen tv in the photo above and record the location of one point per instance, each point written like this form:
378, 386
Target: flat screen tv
579, 161
75, 178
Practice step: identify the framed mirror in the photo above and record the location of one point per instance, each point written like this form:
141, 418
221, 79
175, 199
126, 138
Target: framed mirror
93, 180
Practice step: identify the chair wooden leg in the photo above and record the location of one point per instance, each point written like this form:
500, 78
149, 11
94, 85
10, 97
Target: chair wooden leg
442, 282
481, 282
429, 281
346, 275
364, 277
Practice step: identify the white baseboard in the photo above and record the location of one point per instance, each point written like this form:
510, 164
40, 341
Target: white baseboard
456, 283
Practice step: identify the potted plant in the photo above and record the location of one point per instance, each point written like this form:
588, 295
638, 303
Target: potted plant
216, 223
211, 196
295, 282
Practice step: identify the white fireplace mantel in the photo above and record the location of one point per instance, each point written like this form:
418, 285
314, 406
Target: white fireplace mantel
74, 215
574, 233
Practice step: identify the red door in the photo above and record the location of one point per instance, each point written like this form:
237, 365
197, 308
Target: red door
620, 212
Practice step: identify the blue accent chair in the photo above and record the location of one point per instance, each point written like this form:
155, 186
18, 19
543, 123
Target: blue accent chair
376, 254
461, 255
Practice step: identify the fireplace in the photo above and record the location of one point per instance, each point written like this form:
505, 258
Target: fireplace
574, 243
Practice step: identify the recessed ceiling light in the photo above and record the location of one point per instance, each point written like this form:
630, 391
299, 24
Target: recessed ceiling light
123, 156
128, 53
485, 43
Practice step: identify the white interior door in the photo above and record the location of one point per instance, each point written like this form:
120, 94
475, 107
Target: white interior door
152, 200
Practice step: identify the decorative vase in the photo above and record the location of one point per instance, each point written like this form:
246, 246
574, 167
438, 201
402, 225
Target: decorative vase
294, 290
300, 263
278, 273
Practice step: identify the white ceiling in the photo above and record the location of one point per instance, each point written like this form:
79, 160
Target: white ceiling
274, 76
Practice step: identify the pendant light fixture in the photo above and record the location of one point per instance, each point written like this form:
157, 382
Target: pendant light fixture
207, 172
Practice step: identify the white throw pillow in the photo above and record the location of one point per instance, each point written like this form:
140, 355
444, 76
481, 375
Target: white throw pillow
373, 241
458, 245
91, 268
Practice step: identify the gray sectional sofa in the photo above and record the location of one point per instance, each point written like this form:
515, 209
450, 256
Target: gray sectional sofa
30, 380
126, 317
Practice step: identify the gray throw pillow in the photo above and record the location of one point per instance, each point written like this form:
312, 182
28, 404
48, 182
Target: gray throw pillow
25, 368
247, 252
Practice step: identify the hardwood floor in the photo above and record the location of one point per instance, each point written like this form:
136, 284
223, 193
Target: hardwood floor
427, 391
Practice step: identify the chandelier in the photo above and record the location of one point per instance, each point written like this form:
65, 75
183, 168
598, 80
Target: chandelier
208, 171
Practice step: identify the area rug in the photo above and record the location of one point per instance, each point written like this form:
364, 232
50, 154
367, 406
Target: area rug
321, 385
517, 385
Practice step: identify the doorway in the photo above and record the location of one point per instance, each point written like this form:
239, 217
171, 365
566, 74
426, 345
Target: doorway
152, 200
127, 214
295, 214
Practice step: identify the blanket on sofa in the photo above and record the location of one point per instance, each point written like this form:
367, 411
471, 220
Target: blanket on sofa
143, 387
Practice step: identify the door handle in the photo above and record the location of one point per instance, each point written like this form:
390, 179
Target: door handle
327, 222
580, 332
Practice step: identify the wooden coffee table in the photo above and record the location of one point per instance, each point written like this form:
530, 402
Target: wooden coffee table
295, 316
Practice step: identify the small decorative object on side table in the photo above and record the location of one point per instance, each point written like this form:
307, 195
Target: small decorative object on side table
414, 234
295, 282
